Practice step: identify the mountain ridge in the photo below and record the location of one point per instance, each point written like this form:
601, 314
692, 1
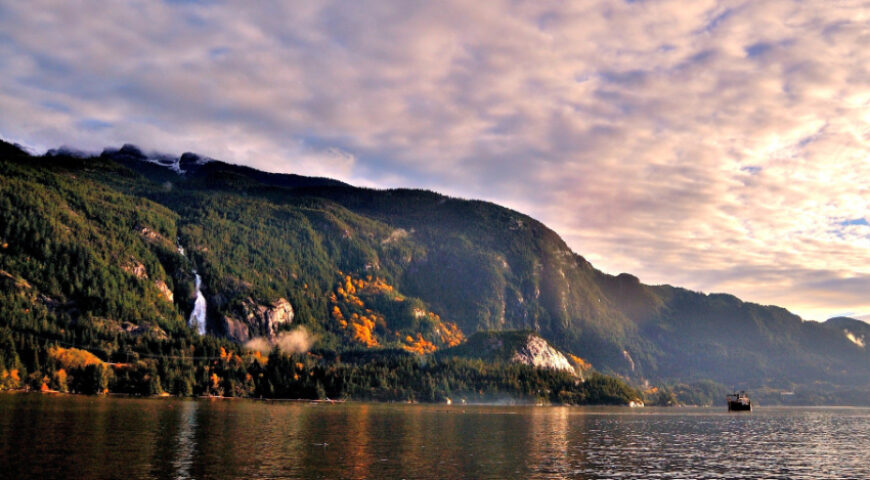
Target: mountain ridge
468, 263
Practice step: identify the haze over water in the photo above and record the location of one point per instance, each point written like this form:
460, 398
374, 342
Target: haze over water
101, 438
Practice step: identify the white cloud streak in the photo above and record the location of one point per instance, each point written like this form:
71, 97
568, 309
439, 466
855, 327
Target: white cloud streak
717, 145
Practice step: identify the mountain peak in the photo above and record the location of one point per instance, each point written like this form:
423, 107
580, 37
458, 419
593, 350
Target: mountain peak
132, 153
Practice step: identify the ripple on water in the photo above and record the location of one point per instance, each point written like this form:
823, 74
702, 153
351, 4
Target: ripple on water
102, 438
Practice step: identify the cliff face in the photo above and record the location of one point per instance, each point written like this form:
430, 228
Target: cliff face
265, 319
252, 319
537, 352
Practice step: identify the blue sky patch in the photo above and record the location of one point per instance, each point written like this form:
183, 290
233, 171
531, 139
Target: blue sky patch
855, 221
93, 124
757, 49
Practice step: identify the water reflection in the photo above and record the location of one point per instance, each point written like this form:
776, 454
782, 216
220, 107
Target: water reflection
549, 442
185, 442
102, 438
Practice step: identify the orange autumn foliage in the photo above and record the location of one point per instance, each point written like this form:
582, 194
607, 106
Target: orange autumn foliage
258, 357
450, 334
361, 327
61, 379
362, 331
579, 362
73, 357
9, 378
419, 345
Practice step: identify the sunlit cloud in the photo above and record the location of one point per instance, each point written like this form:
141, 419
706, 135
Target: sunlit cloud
716, 145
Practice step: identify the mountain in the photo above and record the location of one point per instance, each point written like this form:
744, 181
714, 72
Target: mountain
855, 331
93, 242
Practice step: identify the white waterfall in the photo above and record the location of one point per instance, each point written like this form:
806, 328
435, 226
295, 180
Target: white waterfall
197, 316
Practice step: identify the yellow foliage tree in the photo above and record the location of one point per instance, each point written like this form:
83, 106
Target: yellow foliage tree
73, 358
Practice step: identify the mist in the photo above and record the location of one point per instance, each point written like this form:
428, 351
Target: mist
298, 340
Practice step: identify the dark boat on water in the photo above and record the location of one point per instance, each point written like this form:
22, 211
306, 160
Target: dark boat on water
739, 402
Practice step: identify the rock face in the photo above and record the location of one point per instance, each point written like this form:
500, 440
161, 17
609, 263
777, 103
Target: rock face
520, 346
145, 328
135, 268
236, 329
257, 320
164, 290
537, 352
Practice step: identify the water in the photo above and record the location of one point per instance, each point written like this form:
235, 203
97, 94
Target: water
103, 438
197, 316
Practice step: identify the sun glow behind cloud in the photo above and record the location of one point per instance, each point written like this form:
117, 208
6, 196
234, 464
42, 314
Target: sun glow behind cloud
721, 146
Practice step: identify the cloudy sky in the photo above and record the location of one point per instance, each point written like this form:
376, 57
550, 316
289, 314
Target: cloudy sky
723, 146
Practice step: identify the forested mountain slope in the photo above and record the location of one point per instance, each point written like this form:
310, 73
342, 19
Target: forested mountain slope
93, 241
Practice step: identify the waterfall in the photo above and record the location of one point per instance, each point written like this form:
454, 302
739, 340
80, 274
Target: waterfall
197, 316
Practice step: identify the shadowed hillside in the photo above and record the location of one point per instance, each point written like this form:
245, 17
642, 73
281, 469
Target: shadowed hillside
92, 243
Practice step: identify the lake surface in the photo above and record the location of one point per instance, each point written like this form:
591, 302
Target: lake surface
113, 438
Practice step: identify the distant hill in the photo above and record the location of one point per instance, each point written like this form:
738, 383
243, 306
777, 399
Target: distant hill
93, 241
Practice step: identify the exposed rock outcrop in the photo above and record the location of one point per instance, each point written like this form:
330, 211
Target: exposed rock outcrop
135, 267
138, 270
143, 329
164, 291
537, 352
258, 320
236, 329
267, 319
524, 347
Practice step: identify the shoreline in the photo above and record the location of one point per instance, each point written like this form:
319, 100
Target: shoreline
351, 401
20, 391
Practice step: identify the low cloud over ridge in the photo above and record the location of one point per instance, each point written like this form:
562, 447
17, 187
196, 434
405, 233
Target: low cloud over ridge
718, 145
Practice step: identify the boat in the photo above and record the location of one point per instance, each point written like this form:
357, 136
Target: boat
739, 402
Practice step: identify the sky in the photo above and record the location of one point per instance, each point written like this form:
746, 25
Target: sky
722, 146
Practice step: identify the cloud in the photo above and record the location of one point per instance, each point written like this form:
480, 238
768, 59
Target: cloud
717, 145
